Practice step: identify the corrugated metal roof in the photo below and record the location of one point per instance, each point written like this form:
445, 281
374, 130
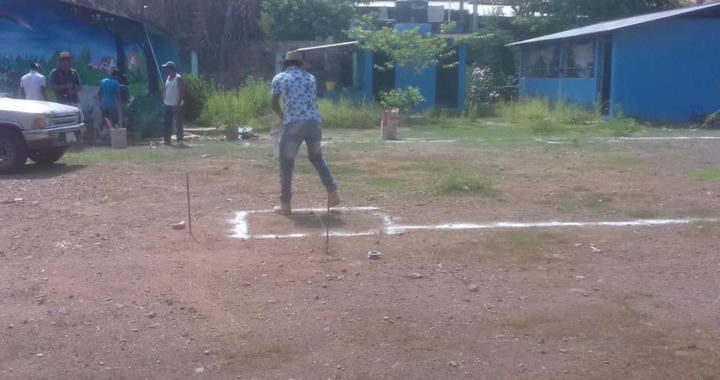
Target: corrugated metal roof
618, 24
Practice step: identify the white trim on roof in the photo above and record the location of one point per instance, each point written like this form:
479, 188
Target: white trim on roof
609, 26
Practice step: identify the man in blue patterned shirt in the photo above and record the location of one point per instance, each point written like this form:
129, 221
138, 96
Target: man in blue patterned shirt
300, 122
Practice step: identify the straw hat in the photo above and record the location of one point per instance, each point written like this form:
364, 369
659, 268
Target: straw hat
295, 56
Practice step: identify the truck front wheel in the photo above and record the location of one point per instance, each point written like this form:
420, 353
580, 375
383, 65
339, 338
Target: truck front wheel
47, 156
13, 152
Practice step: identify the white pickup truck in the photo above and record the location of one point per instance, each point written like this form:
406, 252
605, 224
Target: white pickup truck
40, 131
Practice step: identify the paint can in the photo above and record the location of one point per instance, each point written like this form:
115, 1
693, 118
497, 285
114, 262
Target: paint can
375, 255
118, 138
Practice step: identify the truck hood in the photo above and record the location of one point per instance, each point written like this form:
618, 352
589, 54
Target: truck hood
34, 107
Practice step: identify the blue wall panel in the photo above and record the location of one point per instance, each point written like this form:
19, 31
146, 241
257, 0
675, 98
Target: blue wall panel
425, 80
365, 75
667, 71
582, 92
462, 67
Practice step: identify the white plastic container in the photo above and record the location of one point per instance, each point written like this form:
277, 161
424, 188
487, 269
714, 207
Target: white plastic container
118, 138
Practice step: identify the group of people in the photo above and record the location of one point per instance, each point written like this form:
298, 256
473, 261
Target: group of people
64, 81
299, 112
112, 95
65, 85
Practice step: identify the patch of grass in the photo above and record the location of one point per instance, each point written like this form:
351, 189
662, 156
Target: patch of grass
249, 105
642, 214
583, 202
390, 184
708, 175
348, 115
544, 114
457, 182
162, 154
621, 126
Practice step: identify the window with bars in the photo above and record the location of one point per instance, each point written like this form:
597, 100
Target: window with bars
541, 61
580, 59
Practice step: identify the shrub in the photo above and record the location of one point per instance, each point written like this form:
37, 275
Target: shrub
345, 114
197, 92
249, 105
404, 100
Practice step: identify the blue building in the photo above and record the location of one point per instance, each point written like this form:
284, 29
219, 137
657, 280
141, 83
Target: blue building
659, 67
359, 75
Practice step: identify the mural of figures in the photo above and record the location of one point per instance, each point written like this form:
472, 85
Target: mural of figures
39, 30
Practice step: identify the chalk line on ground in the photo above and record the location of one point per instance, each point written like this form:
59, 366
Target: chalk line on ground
241, 225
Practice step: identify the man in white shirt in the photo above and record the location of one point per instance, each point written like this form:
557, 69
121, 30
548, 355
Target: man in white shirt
32, 84
173, 102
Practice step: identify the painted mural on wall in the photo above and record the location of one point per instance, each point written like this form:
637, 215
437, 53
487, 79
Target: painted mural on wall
37, 31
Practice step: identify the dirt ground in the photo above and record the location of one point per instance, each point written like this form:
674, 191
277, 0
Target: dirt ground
94, 283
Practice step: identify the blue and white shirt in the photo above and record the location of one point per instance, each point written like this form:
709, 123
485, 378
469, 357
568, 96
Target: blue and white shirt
299, 92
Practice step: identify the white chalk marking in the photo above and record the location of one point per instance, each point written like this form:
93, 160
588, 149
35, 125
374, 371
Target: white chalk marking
242, 230
352, 234
277, 237
309, 210
242, 225
672, 138
400, 229
422, 141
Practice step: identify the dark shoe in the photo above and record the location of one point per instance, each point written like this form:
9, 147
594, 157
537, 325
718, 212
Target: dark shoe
283, 209
333, 198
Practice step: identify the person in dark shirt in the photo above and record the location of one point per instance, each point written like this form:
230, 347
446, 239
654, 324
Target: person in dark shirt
65, 81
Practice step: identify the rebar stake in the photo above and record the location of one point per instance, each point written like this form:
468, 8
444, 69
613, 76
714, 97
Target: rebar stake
188, 203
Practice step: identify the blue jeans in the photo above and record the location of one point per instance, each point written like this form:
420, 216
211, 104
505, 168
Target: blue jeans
173, 112
293, 135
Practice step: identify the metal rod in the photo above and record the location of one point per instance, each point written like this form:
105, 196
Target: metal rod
188, 203
327, 229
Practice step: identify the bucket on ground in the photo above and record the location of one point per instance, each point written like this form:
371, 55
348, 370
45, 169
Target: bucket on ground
118, 138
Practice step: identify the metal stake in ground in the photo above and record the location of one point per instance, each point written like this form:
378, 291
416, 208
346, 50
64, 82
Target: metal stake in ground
188, 203
327, 229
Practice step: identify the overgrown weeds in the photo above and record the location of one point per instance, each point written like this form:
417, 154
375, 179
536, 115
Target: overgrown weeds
348, 115
458, 182
249, 105
542, 117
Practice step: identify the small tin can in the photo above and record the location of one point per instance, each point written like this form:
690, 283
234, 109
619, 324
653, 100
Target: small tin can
375, 255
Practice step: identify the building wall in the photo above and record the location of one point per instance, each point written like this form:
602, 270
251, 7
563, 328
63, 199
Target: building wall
582, 92
667, 71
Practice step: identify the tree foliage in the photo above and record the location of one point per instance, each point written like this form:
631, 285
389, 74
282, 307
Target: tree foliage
305, 20
536, 17
409, 49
